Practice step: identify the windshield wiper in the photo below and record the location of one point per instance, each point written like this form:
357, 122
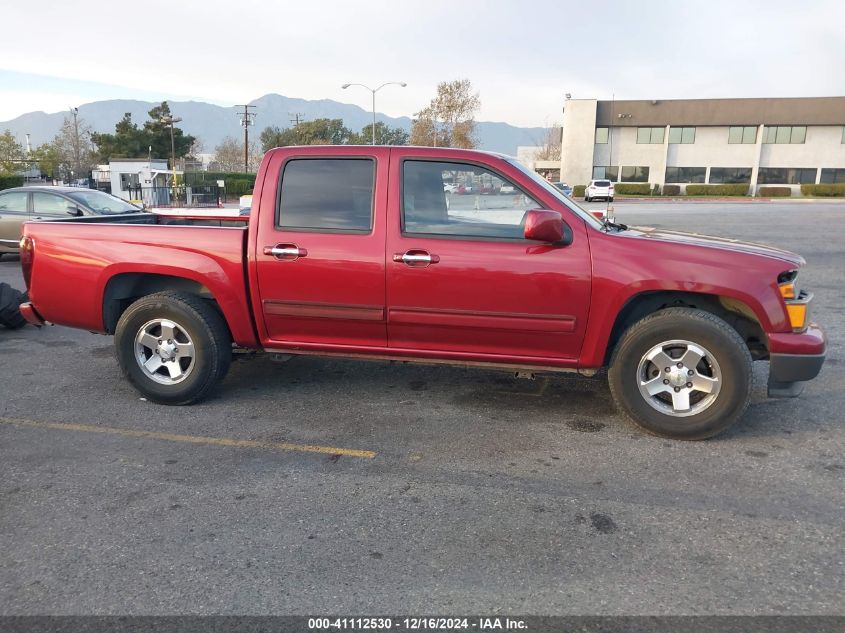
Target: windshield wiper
607, 224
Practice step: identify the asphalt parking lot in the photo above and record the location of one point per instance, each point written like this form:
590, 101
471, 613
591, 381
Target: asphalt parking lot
321, 486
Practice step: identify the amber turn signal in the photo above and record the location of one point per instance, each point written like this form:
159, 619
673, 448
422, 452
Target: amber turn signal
797, 315
787, 290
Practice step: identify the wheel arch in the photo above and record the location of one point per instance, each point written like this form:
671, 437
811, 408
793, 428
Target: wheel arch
123, 289
735, 312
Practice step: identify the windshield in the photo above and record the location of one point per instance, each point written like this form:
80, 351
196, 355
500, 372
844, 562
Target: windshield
557, 193
102, 202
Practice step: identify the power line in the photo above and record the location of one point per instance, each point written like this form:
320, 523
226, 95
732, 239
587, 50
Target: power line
298, 118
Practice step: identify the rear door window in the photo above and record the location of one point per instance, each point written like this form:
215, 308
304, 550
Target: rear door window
13, 201
333, 195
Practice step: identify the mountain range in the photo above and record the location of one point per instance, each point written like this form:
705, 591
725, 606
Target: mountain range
212, 123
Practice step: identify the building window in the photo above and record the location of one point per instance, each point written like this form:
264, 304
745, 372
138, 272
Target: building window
634, 174
685, 174
601, 136
843, 133
832, 176
746, 134
681, 135
786, 176
650, 135
610, 172
730, 175
783, 134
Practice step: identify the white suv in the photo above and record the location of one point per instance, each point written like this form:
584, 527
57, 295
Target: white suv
598, 189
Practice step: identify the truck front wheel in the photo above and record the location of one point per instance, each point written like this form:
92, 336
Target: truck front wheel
173, 347
681, 373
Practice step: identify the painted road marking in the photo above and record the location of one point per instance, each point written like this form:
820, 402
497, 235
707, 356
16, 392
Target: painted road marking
190, 439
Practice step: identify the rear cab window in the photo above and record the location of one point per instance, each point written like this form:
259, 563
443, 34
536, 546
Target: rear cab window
327, 195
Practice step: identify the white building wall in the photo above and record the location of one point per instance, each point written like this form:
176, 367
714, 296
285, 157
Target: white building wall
823, 147
578, 139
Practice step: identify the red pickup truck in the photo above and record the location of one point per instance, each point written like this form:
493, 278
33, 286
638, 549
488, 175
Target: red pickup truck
362, 252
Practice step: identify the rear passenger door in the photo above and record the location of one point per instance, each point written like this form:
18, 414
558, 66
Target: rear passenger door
13, 213
319, 260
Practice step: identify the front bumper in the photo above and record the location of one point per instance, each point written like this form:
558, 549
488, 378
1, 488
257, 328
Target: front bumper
793, 360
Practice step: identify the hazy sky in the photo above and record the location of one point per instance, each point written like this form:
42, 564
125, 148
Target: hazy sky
521, 56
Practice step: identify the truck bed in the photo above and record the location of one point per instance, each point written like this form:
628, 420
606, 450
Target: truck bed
93, 262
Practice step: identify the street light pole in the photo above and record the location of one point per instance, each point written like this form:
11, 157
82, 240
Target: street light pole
402, 84
76, 149
171, 120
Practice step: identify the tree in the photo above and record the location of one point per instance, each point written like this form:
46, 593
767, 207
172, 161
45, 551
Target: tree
550, 144
128, 141
11, 153
384, 135
316, 132
49, 159
229, 155
73, 148
449, 120
158, 133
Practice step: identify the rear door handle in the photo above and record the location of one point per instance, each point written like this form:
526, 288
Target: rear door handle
285, 252
417, 258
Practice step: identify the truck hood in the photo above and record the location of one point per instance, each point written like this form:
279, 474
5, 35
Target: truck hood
709, 241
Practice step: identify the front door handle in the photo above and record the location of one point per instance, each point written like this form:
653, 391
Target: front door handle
285, 252
417, 258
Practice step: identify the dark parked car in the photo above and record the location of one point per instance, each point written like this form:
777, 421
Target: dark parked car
21, 204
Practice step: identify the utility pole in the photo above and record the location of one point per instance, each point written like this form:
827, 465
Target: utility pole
298, 118
247, 119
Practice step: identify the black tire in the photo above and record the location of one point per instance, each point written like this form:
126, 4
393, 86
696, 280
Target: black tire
728, 364
204, 328
586, 198
10, 301
610, 199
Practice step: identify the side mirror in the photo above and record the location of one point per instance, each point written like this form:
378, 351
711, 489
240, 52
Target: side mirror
74, 211
546, 226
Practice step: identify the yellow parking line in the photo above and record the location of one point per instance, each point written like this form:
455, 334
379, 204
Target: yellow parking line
190, 439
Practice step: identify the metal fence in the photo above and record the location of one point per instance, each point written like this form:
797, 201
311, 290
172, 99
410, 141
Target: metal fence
180, 196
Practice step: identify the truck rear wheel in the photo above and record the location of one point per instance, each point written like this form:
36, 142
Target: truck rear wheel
681, 373
173, 347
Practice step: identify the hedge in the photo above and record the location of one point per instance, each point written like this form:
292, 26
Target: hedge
211, 178
671, 190
823, 190
578, 191
775, 192
239, 187
717, 190
632, 189
9, 181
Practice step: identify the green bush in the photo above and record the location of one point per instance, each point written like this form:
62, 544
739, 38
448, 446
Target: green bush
717, 190
9, 181
671, 190
823, 190
578, 191
775, 192
239, 187
632, 189
211, 178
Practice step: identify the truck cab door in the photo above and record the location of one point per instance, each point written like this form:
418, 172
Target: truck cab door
319, 255
464, 283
